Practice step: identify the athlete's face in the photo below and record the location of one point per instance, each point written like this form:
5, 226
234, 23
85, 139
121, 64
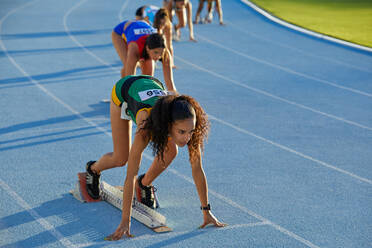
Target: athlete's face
182, 130
156, 53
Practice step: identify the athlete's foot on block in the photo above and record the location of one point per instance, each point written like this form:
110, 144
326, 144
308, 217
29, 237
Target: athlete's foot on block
146, 194
92, 181
80, 192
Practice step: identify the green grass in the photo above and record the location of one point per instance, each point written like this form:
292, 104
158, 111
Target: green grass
349, 20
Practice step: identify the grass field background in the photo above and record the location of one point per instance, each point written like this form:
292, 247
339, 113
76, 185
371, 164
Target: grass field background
349, 20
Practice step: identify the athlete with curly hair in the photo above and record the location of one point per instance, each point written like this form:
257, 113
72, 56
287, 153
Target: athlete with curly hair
166, 122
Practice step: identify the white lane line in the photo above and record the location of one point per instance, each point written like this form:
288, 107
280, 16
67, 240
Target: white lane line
77, 42
291, 150
244, 209
215, 74
109, 134
262, 92
176, 234
298, 50
42, 221
271, 142
261, 61
308, 243
43, 133
122, 9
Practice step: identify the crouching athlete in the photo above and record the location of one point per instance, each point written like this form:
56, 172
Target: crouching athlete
166, 122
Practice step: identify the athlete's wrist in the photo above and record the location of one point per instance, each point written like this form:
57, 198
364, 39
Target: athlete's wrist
206, 207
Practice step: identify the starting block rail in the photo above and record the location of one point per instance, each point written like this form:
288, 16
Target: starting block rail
114, 195
148, 216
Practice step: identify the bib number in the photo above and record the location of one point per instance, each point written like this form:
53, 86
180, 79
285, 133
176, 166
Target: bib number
147, 94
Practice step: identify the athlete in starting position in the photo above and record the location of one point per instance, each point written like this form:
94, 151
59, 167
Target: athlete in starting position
209, 17
137, 41
183, 11
159, 19
166, 122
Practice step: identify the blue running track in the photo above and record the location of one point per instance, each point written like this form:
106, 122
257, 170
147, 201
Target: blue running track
289, 156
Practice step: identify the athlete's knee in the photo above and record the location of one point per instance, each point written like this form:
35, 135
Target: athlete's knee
120, 161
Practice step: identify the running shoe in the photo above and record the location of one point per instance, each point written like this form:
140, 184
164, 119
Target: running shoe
92, 181
146, 194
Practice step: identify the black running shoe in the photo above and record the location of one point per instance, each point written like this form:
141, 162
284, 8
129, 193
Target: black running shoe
92, 181
146, 194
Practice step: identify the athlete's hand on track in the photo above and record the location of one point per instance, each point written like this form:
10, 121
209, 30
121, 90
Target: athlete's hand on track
193, 39
123, 229
209, 218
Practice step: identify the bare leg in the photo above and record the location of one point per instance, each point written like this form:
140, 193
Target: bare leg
219, 11
158, 166
121, 137
181, 22
209, 16
200, 8
121, 48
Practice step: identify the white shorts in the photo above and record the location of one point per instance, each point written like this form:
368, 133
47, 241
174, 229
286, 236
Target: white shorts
124, 114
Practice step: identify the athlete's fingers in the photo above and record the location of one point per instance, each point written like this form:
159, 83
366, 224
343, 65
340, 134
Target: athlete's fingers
109, 238
113, 237
128, 234
206, 223
215, 223
117, 236
220, 224
202, 226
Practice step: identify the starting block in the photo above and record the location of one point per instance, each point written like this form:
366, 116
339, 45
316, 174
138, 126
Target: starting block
80, 192
114, 195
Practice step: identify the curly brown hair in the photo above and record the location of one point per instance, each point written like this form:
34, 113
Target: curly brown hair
165, 112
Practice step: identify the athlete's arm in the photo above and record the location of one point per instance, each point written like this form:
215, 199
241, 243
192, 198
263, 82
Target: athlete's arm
167, 71
140, 142
168, 40
200, 181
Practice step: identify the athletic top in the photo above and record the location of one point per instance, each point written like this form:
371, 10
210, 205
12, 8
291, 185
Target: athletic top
135, 31
150, 12
139, 92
